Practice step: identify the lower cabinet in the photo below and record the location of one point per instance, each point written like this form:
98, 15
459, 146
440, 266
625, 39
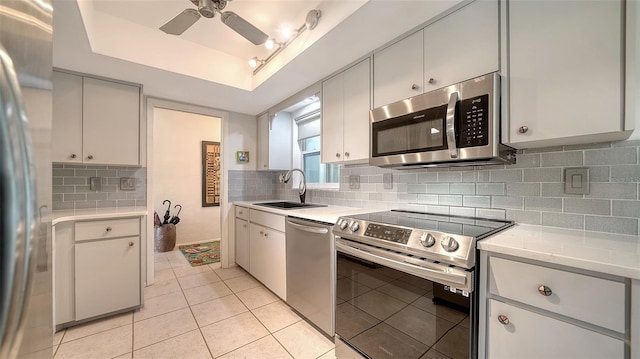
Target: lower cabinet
268, 261
97, 268
242, 244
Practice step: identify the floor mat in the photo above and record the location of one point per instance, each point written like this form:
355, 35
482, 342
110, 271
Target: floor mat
201, 253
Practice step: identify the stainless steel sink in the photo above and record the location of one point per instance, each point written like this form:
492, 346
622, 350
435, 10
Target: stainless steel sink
289, 205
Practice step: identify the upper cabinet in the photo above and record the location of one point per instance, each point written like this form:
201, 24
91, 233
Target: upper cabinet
460, 46
346, 101
274, 141
95, 121
565, 72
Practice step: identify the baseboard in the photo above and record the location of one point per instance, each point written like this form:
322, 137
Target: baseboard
203, 241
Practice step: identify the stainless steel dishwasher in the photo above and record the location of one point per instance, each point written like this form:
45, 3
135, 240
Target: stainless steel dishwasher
311, 271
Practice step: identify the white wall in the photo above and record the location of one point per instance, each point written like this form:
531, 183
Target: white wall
177, 171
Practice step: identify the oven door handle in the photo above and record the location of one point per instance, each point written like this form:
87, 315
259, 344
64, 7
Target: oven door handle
451, 125
443, 275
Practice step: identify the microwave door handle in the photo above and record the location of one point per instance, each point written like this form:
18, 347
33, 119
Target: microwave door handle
451, 125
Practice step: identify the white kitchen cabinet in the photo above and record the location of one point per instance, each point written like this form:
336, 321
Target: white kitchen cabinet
532, 310
457, 47
565, 77
462, 45
274, 141
268, 251
398, 70
242, 238
346, 101
95, 121
97, 268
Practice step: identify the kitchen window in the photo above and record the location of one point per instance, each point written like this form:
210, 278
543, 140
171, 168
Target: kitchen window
318, 174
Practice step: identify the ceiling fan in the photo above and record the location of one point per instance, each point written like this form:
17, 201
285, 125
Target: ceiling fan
208, 9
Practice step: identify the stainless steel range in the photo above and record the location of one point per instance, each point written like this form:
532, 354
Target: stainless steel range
405, 284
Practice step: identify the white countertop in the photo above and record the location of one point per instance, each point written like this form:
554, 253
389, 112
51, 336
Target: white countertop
99, 213
327, 214
614, 254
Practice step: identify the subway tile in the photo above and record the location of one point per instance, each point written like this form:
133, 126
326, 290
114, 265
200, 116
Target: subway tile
375, 196
57, 181
524, 217
106, 173
462, 211
587, 206
462, 188
587, 146
75, 165
476, 201
612, 156
74, 180
555, 190
514, 175
437, 209
57, 165
626, 209
483, 176
450, 176
406, 178
86, 205
85, 173
523, 189
469, 176
126, 203
572, 221
107, 204
543, 204
374, 179
139, 195
613, 190
628, 143
526, 161
427, 199
57, 197
551, 174
556, 159
63, 205
612, 225
543, 149
438, 188
450, 200
498, 214
507, 202
98, 196
63, 189
599, 173
70, 197
490, 188
625, 173
427, 177
63, 172
116, 195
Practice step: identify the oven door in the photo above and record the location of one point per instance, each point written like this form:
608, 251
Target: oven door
388, 308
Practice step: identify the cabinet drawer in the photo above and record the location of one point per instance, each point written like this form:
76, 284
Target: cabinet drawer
242, 212
111, 228
270, 220
531, 335
590, 299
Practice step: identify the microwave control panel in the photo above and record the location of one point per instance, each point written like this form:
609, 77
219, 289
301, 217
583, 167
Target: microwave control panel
473, 122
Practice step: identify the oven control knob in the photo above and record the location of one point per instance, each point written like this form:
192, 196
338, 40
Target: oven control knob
342, 224
354, 226
449, 244
427, 239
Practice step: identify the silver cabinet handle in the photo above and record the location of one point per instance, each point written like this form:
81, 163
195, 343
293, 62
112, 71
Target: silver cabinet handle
523, 129
346, 154
451, 125
503, 319
337, 155
309, 229
90, 157
415, 87
545, 291
432, 80
73, 155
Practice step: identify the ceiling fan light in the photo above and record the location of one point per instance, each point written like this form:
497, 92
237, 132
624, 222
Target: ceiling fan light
269, 44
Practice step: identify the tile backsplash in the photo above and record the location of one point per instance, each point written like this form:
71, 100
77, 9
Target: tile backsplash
71, 186
531, 191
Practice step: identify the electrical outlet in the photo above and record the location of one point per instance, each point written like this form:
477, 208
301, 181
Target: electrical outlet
127, 183
387, 181
354, 182
576, 180
95, 184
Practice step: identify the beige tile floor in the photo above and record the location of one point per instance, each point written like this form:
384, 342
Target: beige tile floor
198, 312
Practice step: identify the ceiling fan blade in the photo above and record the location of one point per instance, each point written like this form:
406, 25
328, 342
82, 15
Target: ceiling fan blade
181, 22
244, 28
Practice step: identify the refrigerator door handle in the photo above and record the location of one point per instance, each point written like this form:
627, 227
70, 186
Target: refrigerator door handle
17, 210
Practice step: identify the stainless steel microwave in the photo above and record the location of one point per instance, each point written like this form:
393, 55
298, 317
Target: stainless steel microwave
458, 125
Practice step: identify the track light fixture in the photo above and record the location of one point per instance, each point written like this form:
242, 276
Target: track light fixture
309, 24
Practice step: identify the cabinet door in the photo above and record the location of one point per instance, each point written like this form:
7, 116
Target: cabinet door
107, 276
461, 46
398, 70
263, 141
357, 103
242, 244
280, 141
63, 293
66, 136
531, 335
268, 259
111, 122
332, 119
565, 78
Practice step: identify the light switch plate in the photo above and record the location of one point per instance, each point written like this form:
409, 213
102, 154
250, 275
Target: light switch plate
354, 182
387, 181
576, 180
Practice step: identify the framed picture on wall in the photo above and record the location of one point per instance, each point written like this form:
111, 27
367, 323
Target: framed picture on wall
210, 174
242, 157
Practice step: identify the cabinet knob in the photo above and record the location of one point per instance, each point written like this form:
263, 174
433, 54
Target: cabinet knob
108, 229
90, 157
262, 233
346, 154
130, 244
503, 319
337, 155
523, 129
544, 290
265, 166
432, 80
73, 155
415, 87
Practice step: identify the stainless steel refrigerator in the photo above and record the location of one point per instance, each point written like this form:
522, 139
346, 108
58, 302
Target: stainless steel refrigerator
26, 324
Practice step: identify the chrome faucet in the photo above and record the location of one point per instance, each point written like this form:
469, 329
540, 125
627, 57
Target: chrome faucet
302, 190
